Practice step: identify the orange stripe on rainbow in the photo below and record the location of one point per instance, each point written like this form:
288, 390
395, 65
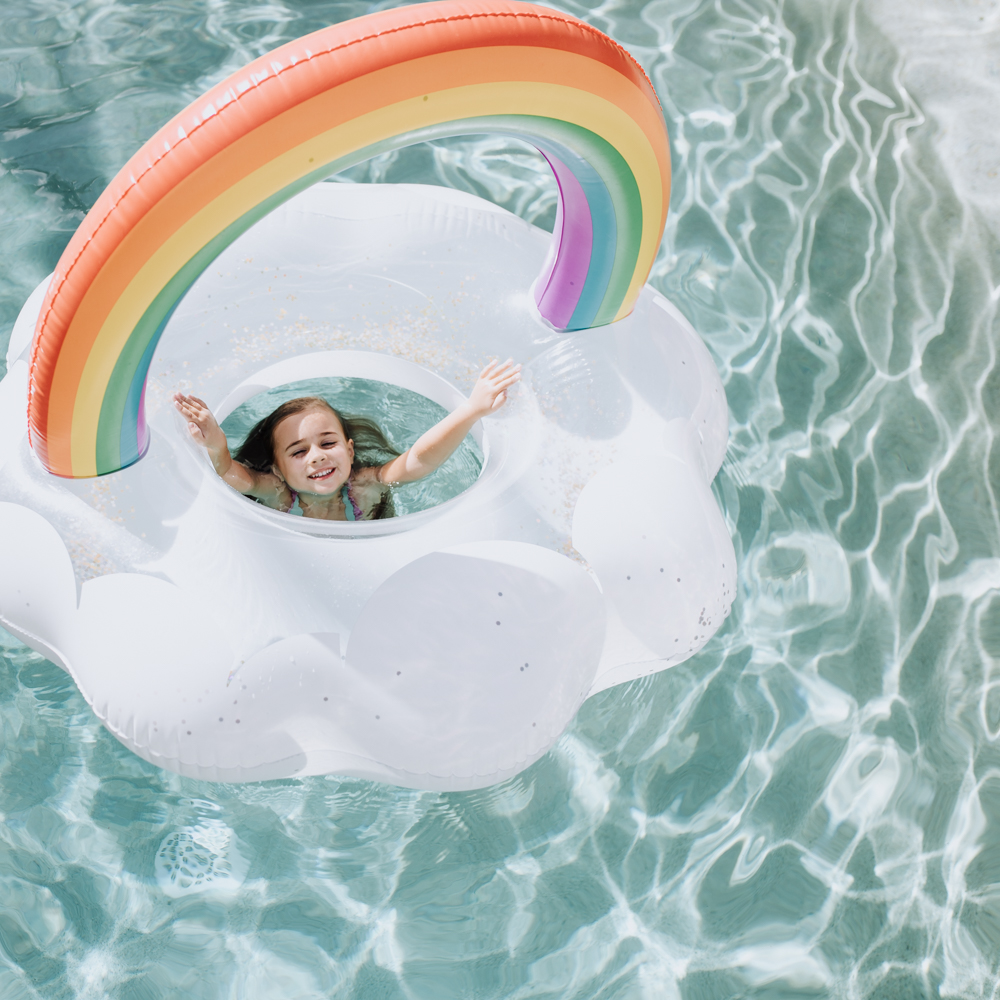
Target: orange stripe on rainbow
207, 175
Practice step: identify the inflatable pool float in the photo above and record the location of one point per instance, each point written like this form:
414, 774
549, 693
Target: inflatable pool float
443, 649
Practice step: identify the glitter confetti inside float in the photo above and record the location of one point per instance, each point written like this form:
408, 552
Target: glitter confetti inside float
446, 648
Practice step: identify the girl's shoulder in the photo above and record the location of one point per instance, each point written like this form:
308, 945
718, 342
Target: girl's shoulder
272, 491
373, 496
367, 476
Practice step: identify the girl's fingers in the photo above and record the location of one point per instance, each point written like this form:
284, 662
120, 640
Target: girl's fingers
499, 376
184, 402
191, 402
195, 414
496, 368
504, 370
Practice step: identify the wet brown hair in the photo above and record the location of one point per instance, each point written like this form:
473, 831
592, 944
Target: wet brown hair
371, 446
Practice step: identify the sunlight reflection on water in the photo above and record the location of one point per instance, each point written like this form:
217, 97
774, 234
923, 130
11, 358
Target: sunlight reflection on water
809, 807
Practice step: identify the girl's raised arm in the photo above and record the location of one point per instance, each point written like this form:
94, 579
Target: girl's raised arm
434, 447
206, 431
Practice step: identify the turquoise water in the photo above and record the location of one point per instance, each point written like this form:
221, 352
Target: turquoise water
808, 808
401, 415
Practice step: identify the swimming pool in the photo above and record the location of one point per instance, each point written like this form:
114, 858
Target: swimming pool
807, 808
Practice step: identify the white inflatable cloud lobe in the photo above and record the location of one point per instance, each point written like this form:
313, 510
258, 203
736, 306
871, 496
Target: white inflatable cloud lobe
448, 649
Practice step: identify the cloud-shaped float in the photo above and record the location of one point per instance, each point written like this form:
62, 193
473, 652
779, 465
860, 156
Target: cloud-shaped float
226, 641
444, 649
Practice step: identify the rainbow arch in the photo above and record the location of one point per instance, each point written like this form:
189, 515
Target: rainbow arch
314, 107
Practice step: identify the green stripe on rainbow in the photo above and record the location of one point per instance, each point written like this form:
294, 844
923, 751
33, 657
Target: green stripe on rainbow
454, 69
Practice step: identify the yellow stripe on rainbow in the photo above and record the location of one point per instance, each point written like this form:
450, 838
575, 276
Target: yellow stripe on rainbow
596, 121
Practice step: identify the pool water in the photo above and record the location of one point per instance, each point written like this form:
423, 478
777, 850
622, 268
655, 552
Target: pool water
401, 414
808, 808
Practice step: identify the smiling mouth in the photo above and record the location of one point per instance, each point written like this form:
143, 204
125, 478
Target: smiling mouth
322, 474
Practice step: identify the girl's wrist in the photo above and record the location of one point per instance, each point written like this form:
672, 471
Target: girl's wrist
466, 411
221, 459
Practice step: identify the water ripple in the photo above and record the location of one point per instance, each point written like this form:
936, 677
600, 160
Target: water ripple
809, 807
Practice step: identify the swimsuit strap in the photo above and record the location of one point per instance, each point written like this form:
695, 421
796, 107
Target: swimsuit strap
351, 508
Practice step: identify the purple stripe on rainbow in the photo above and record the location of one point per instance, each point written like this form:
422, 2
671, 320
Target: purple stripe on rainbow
574, 240
141, 430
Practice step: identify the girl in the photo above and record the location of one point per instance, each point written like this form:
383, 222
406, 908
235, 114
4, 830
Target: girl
301, 457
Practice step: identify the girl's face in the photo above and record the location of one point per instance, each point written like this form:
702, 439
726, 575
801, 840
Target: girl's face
311, 452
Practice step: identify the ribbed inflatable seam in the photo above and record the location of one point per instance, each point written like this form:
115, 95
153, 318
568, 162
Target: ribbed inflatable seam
402, 771
28, 632
68, 666
274, 74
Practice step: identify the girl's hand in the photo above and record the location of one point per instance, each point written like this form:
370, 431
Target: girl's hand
206, 431
202, 424
490, 392
433, 447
